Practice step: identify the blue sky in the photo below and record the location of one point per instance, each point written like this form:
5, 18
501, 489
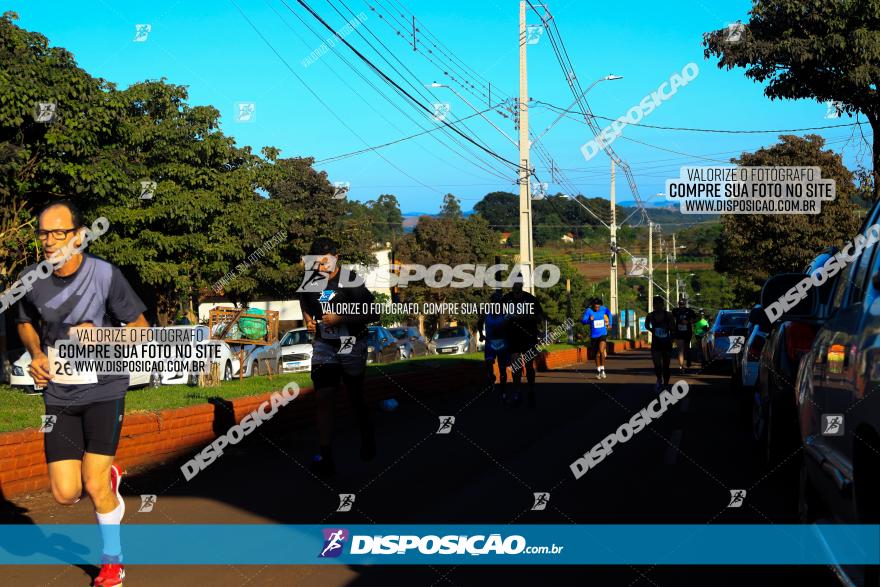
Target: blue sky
211, 48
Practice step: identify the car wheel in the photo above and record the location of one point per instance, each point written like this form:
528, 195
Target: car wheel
227, 372
401, 355
155, 380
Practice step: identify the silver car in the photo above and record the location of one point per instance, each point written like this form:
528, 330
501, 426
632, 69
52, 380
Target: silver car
455, 340
726, 336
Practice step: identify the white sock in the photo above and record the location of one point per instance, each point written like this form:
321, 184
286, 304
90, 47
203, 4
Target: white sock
109, 524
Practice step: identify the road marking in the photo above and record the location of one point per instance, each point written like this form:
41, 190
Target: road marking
672, 452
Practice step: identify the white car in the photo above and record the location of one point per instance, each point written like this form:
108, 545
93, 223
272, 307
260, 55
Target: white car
21, 377
296, 351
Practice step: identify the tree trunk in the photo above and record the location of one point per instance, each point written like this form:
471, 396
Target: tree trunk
875, 158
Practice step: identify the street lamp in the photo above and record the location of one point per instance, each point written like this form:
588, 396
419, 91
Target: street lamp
607, 78
463, 99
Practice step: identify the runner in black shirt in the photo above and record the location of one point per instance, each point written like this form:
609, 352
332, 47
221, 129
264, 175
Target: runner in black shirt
684, 327
339, 349
522, 336
661, 324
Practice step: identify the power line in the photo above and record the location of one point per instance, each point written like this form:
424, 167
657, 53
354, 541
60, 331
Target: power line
318, 97
706, 130
385, 77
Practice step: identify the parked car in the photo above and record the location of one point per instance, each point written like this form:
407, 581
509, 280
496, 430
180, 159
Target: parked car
296, 351
837, 384
411, 342
21, 377
745, 364
382, 346
455, 340
228, 362
774, 418
726, 336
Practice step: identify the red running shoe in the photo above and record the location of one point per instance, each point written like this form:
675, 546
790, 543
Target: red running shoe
111, 575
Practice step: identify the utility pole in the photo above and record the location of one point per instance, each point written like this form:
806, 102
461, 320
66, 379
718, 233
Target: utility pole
615, 311
650, 270
667, 278
675, 266
525, 201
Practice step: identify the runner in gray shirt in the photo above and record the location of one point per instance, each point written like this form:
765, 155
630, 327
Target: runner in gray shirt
83, 413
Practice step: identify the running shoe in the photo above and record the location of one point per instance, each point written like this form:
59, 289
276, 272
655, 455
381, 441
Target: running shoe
111, 575
115, 484
604, 375
598, 375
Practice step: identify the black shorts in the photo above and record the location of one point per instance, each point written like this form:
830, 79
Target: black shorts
594, 342
92, 428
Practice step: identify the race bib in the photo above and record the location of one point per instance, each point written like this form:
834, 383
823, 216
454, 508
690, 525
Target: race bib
660, 332
682, 327
599, 323
333, 332
497, 344
63, 372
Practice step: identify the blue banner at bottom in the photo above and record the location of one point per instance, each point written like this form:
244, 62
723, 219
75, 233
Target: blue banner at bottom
209, 544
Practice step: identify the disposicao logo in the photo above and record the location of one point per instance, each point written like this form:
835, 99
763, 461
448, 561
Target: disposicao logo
334, 538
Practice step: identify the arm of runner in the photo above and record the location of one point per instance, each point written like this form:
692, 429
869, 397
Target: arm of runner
123, 304
608, 318
585, 318
311, 325
39, 368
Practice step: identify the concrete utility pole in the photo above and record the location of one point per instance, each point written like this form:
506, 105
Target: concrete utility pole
650, 270
615, 310
675, 265
667, 278
526, 259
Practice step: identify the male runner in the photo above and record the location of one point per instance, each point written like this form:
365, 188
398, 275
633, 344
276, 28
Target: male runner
495, 348
684, 322
339, 349
599, 319
86, 291
522, 336
661, 324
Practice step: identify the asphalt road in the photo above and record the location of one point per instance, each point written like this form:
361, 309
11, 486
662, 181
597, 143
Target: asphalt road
678, 470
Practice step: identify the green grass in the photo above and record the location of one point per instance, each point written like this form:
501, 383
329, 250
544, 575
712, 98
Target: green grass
18, 410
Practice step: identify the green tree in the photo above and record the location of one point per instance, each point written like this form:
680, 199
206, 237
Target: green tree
449, 241
824, 50
500, 209
753, 247
451, 207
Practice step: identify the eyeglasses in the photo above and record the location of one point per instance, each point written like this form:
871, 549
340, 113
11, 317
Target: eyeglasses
59, 234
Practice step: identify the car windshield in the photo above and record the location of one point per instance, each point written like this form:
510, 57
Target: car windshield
737, 320
295, 337
398, 332
450, 332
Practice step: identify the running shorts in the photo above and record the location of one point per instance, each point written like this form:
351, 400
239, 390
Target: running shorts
78, 429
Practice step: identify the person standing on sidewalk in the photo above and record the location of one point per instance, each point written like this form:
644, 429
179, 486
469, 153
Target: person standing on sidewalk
661, 324
700, 330
599, 319
339, 349
85, 410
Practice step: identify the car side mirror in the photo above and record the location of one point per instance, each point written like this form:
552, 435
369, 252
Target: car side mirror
777, 303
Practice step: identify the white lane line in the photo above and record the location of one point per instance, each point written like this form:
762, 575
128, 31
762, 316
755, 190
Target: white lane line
672, 452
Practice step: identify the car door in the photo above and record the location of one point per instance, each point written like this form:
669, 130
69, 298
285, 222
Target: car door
419, 344
387, 345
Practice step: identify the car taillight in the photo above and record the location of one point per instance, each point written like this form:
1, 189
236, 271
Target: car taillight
798, 339
756, 347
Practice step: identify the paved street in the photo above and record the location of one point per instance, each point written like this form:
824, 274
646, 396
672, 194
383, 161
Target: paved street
678, 470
